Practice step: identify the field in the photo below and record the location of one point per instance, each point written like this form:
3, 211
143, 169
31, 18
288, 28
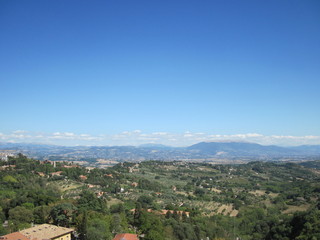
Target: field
223, 189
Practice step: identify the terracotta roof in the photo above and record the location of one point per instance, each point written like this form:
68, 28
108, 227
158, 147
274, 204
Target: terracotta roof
45, 231
14, 236
56, 173
126, 236
82, 177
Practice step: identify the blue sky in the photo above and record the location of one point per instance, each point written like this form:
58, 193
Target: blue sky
103, 69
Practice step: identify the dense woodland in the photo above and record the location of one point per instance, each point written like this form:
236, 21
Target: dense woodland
164, 200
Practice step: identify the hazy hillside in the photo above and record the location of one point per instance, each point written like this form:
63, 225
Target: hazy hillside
242, 149
199, 151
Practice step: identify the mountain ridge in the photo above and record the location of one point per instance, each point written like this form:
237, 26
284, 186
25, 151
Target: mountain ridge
200, 151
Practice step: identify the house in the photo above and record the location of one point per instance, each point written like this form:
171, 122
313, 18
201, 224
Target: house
14, 236
83, 177
70, 166
53, 163
126, 236
89, 168
5, 154
41, 174
134, 184
56, 173
41, 232
47, 162
47, 232
100, 194
7, 167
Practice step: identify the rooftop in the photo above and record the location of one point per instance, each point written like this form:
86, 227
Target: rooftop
14, 236
45, 231
126, 236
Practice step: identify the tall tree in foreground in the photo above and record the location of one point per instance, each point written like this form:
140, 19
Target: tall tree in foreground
83, 227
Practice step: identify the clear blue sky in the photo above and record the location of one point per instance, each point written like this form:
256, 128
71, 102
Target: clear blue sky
215, 67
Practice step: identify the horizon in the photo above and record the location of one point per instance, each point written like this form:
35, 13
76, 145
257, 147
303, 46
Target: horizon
138, 138
173, 73
155, 144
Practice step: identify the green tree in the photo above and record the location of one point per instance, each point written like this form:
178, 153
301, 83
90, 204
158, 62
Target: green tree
62, 214
116, 223
151, 225
154, 235
20, 215
145, 201
9, 179
98, 229
88, 201
83, 227
41, 214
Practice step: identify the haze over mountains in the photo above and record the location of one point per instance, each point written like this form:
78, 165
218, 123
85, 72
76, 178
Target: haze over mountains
199, 151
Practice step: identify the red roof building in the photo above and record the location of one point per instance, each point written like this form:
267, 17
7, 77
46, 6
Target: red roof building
14, 236
83, 178
41, 232
56, 173
126, 236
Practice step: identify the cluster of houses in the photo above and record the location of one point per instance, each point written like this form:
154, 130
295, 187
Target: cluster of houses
52, 232
4, 154
6, 167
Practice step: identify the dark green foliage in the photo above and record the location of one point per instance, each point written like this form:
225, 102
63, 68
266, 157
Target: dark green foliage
117, 208
41, 214
311, 164
151, 225
149, 185
62, 214
116, 224
145, 201
74, 173
20, 215
3, 231
200, 192
88, 201
306, 226
98, 229
83, 227
184, 231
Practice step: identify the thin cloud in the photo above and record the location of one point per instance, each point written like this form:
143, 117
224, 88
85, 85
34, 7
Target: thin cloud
137, 137
19, 132
160, 133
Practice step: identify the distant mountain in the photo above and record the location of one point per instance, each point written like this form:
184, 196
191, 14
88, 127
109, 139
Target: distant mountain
18, 146
308, 149
201, 151
152, 145
241, 149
